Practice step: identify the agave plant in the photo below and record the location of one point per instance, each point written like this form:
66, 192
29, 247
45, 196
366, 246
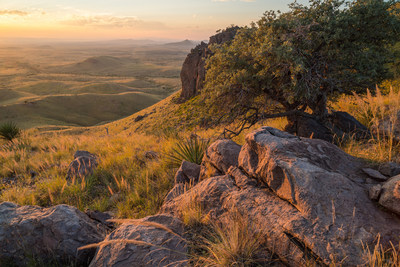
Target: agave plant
189, 149
9, 131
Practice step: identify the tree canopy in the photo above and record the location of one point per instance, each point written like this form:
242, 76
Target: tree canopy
300, 58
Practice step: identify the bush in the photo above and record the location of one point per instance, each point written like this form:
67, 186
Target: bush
189, 149
9, 131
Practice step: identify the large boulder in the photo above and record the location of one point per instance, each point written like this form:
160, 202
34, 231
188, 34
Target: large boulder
193, 71
337, 125
188, 173
52, 235
390, 194
307, 126
307, 196
84, 164
218, 157
151, 241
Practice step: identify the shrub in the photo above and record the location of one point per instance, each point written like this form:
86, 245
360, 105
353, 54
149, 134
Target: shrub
9, 131
189, 149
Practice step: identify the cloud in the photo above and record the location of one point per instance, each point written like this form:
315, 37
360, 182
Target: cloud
108, 21
13, 12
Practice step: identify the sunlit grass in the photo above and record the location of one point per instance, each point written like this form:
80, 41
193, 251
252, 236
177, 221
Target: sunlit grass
380, 114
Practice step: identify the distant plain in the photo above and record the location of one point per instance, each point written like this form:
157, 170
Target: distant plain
85, 84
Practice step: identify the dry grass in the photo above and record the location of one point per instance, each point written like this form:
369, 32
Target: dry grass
233, 243
380, 257
125, 181
380, 114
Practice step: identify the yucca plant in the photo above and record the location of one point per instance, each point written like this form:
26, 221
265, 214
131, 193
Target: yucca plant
9, 131
189, 149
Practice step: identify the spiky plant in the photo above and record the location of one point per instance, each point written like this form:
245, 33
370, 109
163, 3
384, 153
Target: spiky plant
9, 131
189, 149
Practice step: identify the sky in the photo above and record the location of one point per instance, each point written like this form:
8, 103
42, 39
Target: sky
128, 19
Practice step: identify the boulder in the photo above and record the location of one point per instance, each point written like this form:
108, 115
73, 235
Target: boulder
338, 124
151, 241
52, 235
375, 191
219, 157
390, 195
193, 71
374, 174
84, 164
188, 173
307, 196
101, 217
390, 169
349, 125
306, 126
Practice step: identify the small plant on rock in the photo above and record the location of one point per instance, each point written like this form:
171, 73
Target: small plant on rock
9, 131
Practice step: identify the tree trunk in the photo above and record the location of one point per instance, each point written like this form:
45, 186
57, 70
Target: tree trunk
319, 109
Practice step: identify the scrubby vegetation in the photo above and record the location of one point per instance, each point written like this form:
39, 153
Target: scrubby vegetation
289, 63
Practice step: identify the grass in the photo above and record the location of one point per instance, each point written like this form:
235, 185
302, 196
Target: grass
380, 113
125, 181
234, 243
84, 85
380, 257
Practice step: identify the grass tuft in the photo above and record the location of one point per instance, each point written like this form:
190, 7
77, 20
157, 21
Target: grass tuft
235, 243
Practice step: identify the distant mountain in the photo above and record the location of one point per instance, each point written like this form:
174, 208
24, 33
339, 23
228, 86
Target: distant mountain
183, 43
98, 64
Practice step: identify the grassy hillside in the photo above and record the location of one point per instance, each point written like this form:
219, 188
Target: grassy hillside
85, 84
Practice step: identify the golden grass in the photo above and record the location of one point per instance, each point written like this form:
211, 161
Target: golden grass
380, 257
233, 243
125, 181
380, 114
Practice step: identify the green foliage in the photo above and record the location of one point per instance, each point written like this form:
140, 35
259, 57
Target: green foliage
301, 58
189, 149
9, 131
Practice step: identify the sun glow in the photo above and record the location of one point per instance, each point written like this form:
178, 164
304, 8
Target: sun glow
127, 19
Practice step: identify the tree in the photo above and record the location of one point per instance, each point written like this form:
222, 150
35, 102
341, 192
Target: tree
290, 62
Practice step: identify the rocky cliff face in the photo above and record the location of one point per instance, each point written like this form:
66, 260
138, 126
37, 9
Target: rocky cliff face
193, 68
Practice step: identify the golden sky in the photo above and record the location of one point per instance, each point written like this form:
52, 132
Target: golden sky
137, 19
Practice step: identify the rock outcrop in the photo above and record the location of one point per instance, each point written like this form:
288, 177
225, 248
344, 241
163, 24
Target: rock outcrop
188, 173
151, 241
389, 196
308, 197
52, 235
218, 157
193, 70
338, 124
84, 164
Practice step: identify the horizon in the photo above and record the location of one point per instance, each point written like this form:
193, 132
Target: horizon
102, 21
